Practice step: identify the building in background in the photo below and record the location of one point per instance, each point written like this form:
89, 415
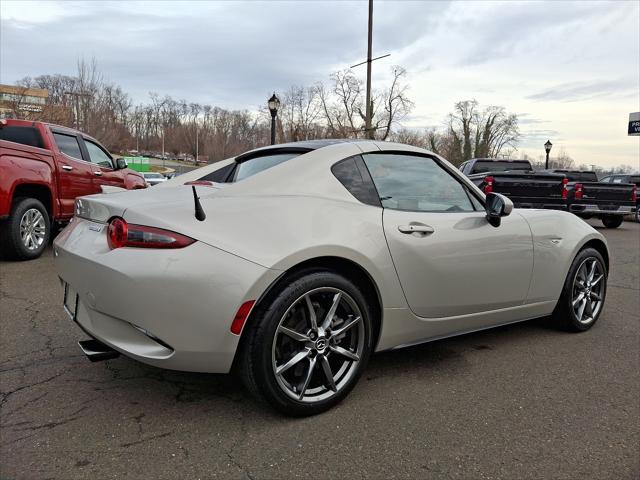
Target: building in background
22, 102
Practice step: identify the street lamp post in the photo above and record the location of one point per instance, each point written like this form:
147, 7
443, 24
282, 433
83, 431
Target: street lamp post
274, 104
547, 148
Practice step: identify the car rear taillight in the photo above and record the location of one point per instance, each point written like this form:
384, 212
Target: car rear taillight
564, 188
121, 234
634, 194
488, 184
578, 191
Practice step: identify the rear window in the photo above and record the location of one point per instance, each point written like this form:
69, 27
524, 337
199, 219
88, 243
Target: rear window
239, 171
259, 164
581, 176
488, 166
22, 135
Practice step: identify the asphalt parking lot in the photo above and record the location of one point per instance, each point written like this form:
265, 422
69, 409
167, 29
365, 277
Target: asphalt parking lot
524, 401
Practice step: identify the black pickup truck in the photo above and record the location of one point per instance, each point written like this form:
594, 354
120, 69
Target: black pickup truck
633, 178
578, 192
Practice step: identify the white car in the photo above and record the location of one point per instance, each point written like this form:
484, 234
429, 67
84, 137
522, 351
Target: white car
292, 264
153, 178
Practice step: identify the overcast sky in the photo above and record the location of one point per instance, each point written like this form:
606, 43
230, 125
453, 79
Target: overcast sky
570, 70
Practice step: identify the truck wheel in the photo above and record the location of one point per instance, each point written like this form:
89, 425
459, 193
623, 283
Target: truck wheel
26, 234
612, 221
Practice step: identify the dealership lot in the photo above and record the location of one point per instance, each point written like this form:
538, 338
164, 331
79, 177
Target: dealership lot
524, 401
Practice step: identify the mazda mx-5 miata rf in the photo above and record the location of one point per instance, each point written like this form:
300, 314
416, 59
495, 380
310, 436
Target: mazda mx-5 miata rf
291, 264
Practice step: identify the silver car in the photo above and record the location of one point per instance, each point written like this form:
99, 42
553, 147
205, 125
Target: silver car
153, 178
292, 264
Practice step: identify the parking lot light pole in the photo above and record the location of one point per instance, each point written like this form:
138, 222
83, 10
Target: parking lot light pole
274, 104
547, 148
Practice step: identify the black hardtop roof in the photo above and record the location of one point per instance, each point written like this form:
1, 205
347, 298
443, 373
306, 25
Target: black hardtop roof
303, 146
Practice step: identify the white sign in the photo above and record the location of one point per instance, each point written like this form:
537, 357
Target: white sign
634, 124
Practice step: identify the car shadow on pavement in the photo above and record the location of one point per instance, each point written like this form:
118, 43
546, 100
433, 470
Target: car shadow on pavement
206, 389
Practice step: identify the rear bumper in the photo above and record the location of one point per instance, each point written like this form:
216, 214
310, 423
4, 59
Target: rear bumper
167, 308
593, 209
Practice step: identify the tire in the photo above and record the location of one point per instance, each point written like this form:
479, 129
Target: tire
612, 221
576, 318
303, 388
30, 213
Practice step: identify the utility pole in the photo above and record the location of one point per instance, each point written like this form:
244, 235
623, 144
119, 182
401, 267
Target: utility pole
367, 123
369, 106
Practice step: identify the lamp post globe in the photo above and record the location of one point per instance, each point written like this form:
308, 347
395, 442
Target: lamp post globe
273, 104
547, 148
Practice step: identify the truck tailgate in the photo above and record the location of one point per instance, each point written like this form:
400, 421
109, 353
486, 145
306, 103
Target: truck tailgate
607, 192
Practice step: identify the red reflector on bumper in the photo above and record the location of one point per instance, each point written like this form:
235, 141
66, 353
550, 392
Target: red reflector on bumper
241, 317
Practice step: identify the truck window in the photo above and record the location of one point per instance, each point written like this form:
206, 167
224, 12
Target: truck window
22, 135
482, 166
68, 144
97, 155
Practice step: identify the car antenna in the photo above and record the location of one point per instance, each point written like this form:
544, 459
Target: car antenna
200, 215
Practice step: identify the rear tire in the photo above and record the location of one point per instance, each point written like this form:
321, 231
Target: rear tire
26, 233
612, 221
584, 292
304, 363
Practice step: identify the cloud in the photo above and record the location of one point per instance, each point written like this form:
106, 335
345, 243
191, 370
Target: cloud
572, 92
231, 54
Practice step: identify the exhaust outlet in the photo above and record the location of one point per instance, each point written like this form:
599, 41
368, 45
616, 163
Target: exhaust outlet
96, 351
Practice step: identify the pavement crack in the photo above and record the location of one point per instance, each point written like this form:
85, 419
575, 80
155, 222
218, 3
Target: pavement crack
144, 440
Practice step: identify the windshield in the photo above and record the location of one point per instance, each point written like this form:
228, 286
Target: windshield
258, 164
152, 175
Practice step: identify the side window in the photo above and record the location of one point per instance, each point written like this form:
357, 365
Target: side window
68, 144
353, 174
97, 155
410, 182
617, 180
606, 180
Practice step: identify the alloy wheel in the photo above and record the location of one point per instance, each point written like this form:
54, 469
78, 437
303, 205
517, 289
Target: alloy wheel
318, 345
588, 289
33, 229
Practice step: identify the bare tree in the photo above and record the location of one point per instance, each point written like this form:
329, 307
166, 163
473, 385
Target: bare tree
476, 133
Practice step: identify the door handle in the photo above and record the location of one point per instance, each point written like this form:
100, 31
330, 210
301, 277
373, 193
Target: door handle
98, 173
426, 229
68, 168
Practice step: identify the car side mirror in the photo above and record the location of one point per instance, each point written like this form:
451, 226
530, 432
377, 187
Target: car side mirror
121, 163
497, 206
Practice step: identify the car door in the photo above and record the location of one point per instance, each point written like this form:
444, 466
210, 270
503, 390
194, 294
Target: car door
103, 166
449, 259
75, 177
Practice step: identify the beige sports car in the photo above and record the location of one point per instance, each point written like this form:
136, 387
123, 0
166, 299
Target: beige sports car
292, 264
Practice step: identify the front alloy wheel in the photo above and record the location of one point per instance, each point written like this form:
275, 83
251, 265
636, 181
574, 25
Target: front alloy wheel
588, 286
584, 292
307, 343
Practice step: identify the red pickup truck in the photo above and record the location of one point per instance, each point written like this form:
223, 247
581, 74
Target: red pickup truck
43, 168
